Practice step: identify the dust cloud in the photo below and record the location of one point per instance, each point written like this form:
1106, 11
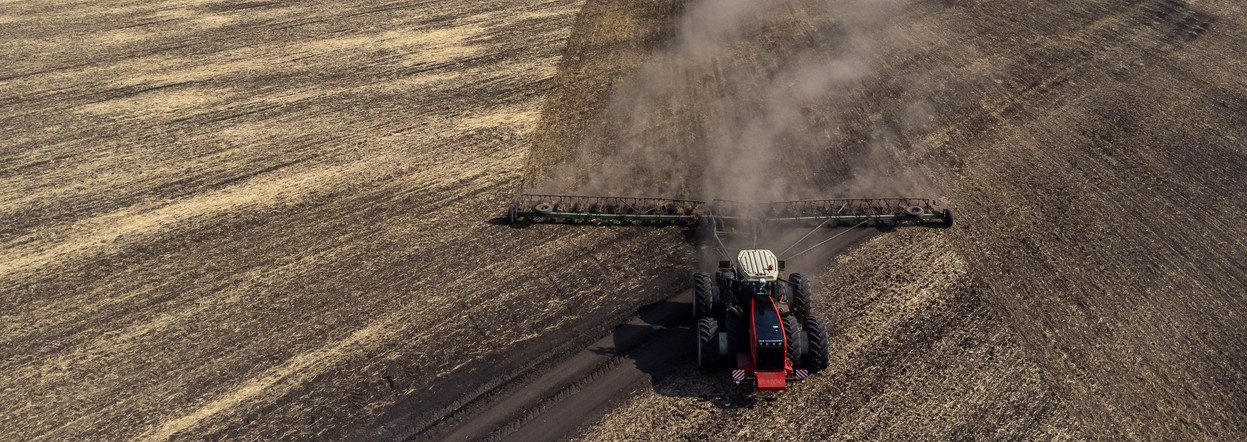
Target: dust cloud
743, 103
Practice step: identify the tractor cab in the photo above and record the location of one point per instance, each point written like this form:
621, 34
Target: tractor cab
758, 270
758, 264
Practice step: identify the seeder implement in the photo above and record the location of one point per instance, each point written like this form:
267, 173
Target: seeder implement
663, 211
620, 210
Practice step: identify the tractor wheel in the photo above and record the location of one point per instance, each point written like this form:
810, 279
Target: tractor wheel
707, 343
818, 352
792, 332
800, 301
703, 295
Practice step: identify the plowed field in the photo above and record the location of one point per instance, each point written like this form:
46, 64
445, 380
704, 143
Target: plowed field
279, 220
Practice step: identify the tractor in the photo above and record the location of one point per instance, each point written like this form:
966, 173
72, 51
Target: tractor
750, 317
758, 323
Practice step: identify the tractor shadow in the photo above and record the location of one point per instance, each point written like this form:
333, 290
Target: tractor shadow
660, 343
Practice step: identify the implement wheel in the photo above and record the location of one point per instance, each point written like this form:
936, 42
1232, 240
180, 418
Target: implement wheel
707, 343
703, 295
818, 351
948, 217
800, 295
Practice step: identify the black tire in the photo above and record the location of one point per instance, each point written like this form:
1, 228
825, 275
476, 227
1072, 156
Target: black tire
914, 211
707, 343
737, 329
792, 332
948, 218
543, 209
818, 352
703, 295
800, 301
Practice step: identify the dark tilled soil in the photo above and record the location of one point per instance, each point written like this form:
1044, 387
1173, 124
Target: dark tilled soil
1093, 286
273, 220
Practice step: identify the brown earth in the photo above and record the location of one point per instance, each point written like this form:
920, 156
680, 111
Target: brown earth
272, 220
1093, 286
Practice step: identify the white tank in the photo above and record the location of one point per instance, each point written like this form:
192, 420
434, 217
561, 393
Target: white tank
758, 263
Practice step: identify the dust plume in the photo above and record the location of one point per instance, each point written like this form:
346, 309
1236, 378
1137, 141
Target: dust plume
749, 101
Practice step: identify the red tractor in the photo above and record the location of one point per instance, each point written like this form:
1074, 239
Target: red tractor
751, 319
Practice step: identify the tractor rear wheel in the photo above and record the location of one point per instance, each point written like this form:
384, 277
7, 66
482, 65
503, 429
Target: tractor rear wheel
707, 343
800, 302
703, 295
818, 351
792, 332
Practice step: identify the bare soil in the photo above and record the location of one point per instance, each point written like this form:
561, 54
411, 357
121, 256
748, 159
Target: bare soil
1093, 285
272, 220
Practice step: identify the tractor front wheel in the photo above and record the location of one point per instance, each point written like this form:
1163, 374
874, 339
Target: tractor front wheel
818, 351
707, 343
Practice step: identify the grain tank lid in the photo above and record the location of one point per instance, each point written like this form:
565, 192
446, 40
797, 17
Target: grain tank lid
759, 263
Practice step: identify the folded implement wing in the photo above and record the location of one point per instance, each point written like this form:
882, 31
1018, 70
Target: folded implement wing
534, 208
